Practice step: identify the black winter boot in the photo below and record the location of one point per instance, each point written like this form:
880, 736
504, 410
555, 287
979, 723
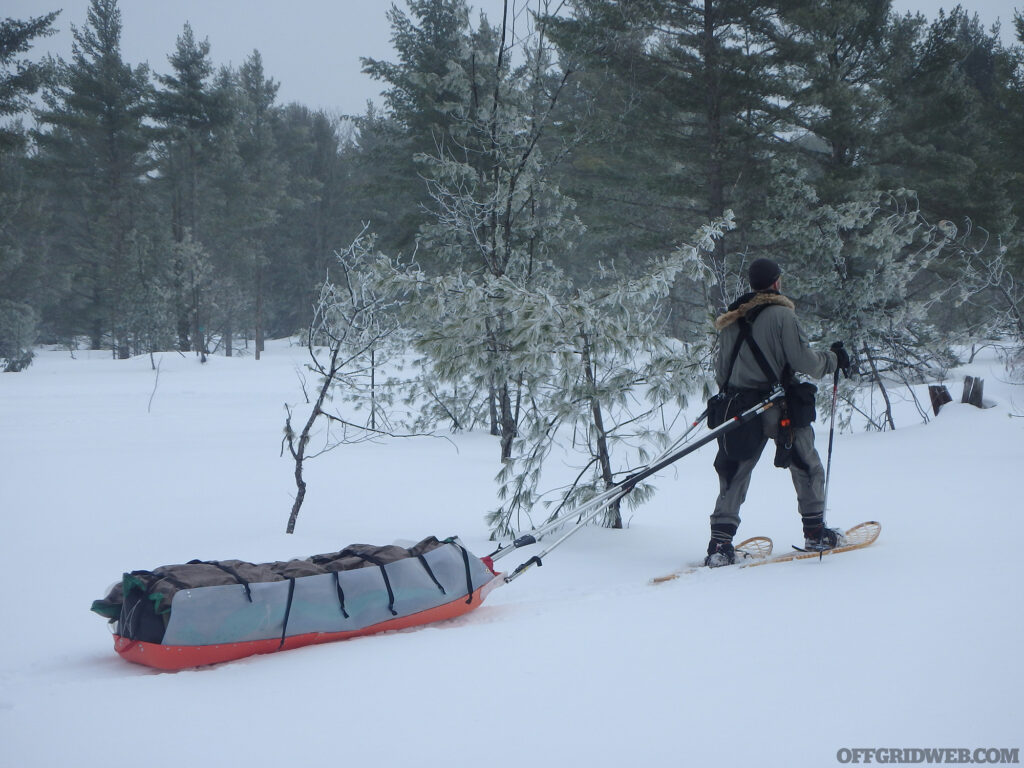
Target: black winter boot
821, 538
720, 553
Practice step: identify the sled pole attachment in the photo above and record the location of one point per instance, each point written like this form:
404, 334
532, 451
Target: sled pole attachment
539, 559
604, 499
621, 489
601, 500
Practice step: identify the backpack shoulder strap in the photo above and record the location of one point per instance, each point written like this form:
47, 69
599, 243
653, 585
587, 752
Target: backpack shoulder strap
746, 323
762, 361
744, 333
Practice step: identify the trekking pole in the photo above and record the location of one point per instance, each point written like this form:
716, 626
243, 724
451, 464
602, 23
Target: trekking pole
621, 489
831, 437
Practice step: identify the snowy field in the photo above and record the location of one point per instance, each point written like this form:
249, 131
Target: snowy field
912, 643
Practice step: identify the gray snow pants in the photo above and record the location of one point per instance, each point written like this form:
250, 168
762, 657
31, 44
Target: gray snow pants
806, 469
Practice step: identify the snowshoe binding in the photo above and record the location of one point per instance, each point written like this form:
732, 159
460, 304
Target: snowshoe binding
720, 553
822, 539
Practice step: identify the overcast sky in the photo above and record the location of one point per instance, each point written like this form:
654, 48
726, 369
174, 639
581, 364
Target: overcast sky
311, 47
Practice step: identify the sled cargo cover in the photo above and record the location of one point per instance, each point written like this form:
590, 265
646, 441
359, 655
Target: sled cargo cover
204, 612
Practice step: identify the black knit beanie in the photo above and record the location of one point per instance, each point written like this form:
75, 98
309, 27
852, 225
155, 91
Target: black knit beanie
763, 272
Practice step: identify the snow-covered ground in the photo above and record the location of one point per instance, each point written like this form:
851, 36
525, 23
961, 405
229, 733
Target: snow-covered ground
912, 643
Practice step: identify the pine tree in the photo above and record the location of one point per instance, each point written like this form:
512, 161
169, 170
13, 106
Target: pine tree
942, 132
426, 44
313, 216
31, 282
23, 267
190, 111
859, 271
95, 150
416, 118
497, 215
247, 192
834, 56
1011, 132
18, 78
610, 379
257, 148
694, 109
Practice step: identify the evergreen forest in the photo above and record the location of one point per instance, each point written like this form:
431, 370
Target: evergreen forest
546, 210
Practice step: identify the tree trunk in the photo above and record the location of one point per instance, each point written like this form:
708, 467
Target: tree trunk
508, 422
614, 516
184, 342
184, 312
259, 311
973, 391
881, 387
297, 448
492, 408
939, 396
96, 321
198, 332
713, 116
373, 389
229, 339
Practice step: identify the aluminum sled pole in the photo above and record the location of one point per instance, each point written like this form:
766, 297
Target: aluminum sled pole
600, 501
686, 434
621, 489
603, 499
538, 559
726, 426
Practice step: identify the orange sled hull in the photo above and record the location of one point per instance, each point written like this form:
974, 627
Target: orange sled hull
172, 658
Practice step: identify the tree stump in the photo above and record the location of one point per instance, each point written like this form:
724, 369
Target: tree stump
939, 396
973, 389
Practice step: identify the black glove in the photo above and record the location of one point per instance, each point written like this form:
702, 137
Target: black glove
842, 357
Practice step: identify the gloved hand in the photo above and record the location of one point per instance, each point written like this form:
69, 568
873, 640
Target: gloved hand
842, 357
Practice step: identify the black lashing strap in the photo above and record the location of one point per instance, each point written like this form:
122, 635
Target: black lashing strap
469, 573
430, 573
158, 577
341, 594
387, 581
287, 610
383, 572
232, 572
229, 571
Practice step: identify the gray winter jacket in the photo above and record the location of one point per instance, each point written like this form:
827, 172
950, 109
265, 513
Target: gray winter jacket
777, 333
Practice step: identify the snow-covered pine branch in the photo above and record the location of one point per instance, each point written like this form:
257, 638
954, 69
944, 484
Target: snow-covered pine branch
614, 383
864, 271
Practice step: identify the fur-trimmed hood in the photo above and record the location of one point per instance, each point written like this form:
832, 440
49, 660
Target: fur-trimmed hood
749, 301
